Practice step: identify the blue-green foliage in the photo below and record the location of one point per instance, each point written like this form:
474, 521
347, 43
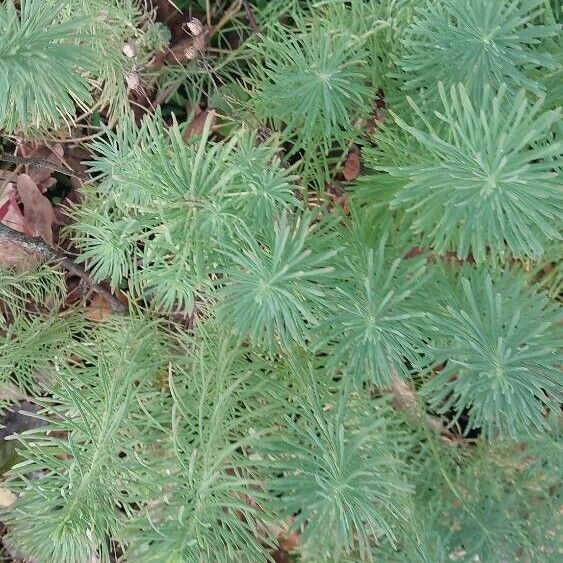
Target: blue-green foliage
371, 374
58, 57
379, 318
337, 465
487, 181
501, 344
164, 208
278, 282
87, 454
41, 65
312, 83
477, 42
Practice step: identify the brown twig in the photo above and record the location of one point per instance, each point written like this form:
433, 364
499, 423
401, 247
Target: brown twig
250, 16
40, 247
42, 163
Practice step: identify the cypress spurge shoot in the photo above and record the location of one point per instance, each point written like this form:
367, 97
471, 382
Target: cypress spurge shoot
336, 228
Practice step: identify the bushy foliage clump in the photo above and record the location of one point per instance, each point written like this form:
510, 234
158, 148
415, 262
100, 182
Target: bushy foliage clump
342, 270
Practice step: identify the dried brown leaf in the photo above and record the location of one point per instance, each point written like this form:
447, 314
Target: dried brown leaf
38, 211
10, 213
43, 175
11, 254
198, 123
352, 166
100, 309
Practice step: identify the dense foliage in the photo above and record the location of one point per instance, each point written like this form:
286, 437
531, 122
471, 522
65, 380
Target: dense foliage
336, 227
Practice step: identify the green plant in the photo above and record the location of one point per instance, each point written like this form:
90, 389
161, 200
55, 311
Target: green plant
312, 84
378, 320
292, 311
340, 472
41, 65
155, 190
55, 54
77, 503
501, 353
487, 182
476, 42
211, 478
277, 282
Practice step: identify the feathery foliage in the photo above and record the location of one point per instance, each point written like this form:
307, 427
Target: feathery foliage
312, 84
209, 503
30, 348
501, 510
342, 338
112, 25
378, 321
87, 454
502, 354
42, 285
156, 191
341, 473
54, 55
278, 281
476, 42
488, 183
42, 65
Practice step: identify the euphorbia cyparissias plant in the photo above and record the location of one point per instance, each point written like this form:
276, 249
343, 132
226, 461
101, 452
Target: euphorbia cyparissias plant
368, 376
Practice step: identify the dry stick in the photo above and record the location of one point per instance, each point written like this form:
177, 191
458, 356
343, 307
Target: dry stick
69, 140
42, 163
40, 247
250, 16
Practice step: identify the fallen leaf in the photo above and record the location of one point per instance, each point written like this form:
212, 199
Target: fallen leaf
338, 195
99, 309
352, 166
414, 252
37, 209
280, 555
10, 213
42, 175
289, 542
198, 123
12, 255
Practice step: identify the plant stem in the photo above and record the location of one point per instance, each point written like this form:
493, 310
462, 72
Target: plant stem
405, 400
250, 16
